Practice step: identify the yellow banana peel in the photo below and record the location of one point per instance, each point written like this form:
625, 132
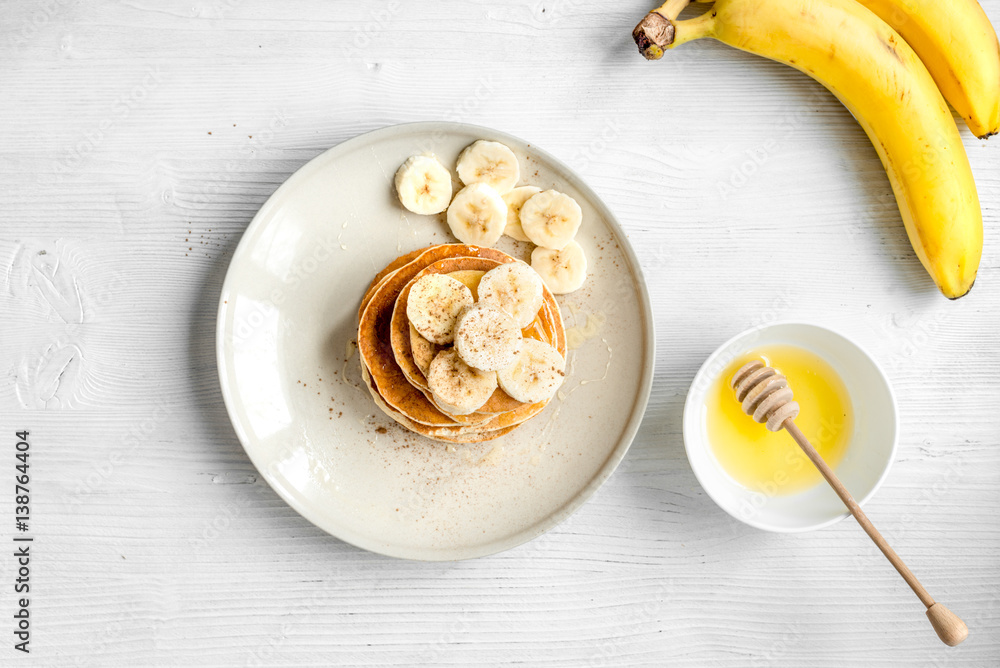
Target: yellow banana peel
879, 78
957, 43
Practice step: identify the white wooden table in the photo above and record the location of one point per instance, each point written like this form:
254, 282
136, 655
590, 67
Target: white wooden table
138, 139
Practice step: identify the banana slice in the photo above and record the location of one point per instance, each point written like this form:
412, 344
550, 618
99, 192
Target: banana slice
550, 219
536, 374
456, 387
487, 338
562, 270
514, 200
433, 306
477, 215
423, 185
423, 350
491, 163
514, 288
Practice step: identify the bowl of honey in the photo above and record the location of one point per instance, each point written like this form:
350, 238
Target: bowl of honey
848, 412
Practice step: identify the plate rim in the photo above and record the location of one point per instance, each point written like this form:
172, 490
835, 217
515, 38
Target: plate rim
637, 412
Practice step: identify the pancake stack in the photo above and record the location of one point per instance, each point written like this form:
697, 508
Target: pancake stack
396, 359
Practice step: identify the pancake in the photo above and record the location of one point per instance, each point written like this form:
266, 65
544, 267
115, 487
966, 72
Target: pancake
399, 336
398, 263
545, 328
395, 358
499, 402
422, 353
542, 328
374, 334
444, 434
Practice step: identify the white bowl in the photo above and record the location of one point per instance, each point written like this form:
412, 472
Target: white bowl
870, 451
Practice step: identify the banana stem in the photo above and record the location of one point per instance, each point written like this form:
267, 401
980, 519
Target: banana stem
660, 29
671, 9
692, 29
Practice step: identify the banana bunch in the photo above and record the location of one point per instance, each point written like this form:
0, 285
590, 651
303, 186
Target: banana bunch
892, 82
957, 43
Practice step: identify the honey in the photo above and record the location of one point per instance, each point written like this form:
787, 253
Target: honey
771, 462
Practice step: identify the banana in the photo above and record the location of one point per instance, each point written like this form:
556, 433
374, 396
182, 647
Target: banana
477, 215
487, 338
550, 219
423, 350
535, 375
562, 270
959, 47
423, 185
489, 162
514, 200
458, 388
514, 288
434, 304
882, 82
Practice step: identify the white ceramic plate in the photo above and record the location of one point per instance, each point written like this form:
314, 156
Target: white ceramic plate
290, 373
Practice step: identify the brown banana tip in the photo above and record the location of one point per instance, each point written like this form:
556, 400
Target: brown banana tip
654, 33
971, 285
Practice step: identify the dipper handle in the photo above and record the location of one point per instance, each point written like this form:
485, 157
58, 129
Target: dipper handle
765, 395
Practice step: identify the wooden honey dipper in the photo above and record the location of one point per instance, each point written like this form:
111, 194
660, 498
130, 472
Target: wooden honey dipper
766, 396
